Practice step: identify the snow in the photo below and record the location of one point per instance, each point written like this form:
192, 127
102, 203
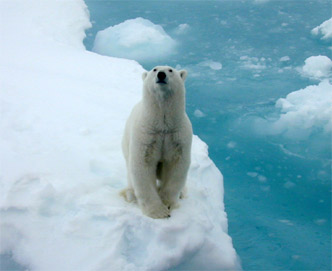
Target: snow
63, 111
325, 30
317, 67
138, 39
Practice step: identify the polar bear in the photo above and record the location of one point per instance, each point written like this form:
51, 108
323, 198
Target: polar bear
157, 143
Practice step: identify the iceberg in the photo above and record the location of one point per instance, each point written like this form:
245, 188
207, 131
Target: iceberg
137, 39
63, 111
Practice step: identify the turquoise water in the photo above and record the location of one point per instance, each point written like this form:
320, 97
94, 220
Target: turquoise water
277, 189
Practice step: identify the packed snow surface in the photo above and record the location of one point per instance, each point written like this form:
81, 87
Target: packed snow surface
325, 29
138, 39
317, 67
63, 111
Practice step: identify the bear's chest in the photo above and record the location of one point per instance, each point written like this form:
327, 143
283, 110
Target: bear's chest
164, 145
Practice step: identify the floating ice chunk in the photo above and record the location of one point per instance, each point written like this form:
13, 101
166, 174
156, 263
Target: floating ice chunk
181, 29
286, 221
211, 64
253, 63
252, 174
302, 113
137, 39
325, 29
262, 178
284, 59
231, 145
317, 67
199, 114
306, 109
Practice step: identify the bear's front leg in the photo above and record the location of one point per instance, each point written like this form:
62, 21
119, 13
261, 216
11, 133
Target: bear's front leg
173, 182
144, 184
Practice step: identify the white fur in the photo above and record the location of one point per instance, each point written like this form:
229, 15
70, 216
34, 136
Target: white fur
157, 144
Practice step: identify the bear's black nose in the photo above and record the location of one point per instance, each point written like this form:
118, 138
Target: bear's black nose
161, 76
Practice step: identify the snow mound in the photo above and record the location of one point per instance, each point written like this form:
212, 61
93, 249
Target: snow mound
325, 29
137, 39
317, 67
69, 32
61, 165
89, 227
305, 111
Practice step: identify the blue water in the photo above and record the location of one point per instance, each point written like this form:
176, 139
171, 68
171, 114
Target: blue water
277, 189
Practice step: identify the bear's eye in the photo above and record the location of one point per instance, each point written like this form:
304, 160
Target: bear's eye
170, 70
154, 70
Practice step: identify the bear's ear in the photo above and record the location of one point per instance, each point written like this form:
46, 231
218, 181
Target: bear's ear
183, 74
144, 75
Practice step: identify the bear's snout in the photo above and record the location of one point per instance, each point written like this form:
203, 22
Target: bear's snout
161, 77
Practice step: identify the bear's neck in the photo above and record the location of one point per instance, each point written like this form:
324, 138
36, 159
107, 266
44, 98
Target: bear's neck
169, 110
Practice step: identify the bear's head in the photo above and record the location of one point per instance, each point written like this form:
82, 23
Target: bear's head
164, 81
